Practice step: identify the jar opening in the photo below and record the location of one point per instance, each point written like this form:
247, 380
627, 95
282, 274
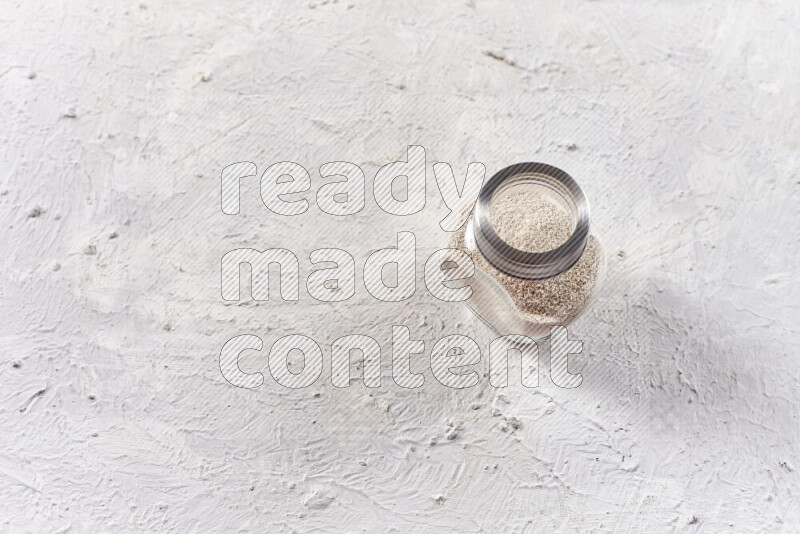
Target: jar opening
551, 252
532, 216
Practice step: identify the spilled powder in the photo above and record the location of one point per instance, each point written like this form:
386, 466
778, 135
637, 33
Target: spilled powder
530, 222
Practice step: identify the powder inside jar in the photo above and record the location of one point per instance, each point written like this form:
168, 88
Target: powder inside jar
532, 222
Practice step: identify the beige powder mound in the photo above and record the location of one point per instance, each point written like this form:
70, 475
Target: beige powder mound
530, 222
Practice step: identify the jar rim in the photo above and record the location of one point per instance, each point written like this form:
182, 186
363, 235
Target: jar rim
519, 263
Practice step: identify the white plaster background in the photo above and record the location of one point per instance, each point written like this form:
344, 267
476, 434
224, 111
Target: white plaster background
113, 414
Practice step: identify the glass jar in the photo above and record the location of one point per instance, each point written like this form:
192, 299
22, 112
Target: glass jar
559, 266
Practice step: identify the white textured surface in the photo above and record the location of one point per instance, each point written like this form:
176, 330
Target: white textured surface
686, 129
